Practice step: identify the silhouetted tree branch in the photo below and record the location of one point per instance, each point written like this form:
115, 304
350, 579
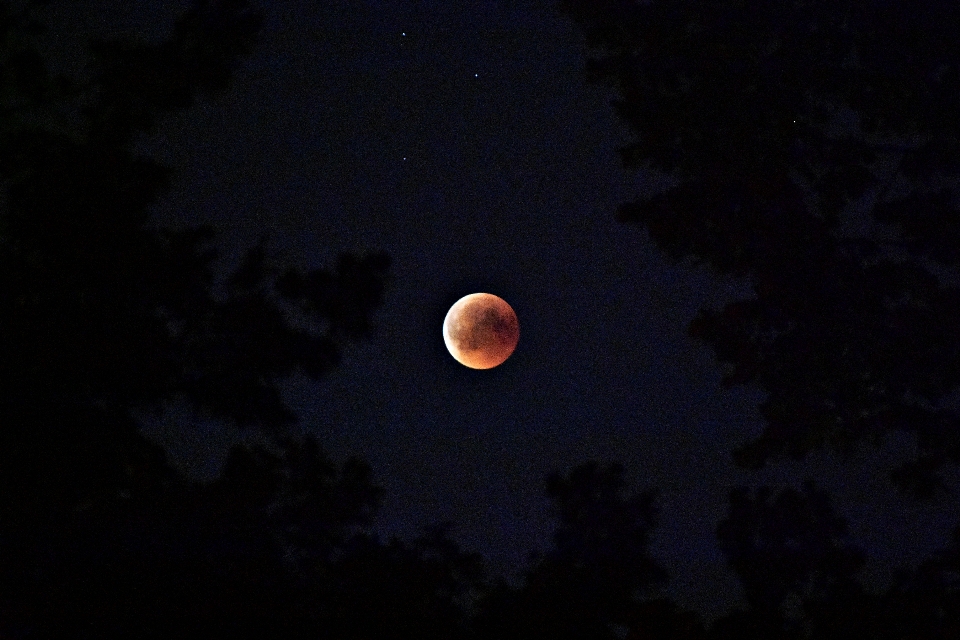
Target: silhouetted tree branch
102, 314
779, 122
788, 543
101, 311
599, 568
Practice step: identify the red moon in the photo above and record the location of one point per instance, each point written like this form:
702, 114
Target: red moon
481, 330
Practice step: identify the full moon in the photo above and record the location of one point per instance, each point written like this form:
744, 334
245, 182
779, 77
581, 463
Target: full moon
481, 330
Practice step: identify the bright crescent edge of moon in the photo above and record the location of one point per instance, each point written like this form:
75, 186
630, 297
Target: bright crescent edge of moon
496, 349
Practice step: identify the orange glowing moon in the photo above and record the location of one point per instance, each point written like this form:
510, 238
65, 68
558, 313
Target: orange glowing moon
481, 330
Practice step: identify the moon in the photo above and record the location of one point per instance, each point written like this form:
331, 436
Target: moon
481, 330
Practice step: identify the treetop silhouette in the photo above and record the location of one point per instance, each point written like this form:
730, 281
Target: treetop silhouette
785, 128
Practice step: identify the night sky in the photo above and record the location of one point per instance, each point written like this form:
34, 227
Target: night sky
462, 139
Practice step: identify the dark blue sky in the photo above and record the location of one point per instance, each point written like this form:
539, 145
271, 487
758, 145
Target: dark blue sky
473, 152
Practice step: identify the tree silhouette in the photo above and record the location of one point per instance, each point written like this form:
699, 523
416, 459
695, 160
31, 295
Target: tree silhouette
662, 619
396, 590
589, 584
102, 314
790, 552
811, 147
924, 602
791, 543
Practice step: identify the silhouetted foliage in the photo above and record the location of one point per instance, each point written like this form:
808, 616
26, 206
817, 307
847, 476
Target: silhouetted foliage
603, 533
228, 559
102, 314
590, 582
925, 602
788, 128
791, 543
397, 591
661, 619
812, 147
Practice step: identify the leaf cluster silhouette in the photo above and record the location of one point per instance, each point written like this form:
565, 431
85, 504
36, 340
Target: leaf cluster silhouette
813, 149
103, 315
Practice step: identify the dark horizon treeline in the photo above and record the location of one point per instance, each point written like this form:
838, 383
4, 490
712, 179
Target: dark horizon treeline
101, 315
